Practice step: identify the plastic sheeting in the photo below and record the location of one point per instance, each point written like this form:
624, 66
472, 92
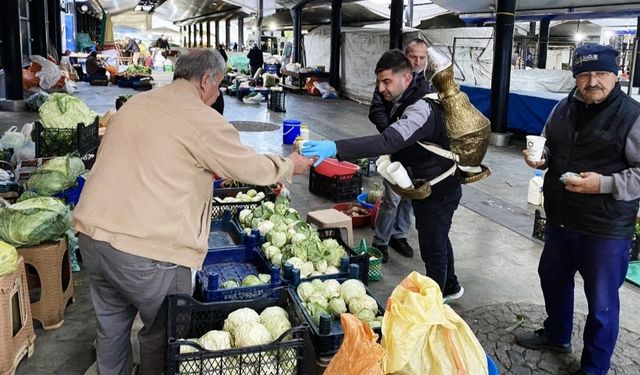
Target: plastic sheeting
361, 48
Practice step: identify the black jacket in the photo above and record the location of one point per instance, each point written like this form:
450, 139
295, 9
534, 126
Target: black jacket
582, 138
256, 59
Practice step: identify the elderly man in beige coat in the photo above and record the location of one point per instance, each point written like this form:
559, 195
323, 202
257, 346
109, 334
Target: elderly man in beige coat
145, 211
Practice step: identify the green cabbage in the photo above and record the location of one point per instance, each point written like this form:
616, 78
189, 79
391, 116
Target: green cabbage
56, 175
65, 111
305, 291
8, 258
230, 284
252, 280
216, 340
250, 334
33, 221
337, 307
236, 318
352, 288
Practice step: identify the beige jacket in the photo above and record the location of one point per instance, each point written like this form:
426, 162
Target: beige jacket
149, 192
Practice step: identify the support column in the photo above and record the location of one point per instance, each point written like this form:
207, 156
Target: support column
209, 34
217, 30
227, 32
296, 18
55, 29
336, 34
201, 35
409, 22
395, 24
11, 50
184, 36
259, 21
189, 36
38, 24
501, 73
543, 43
635, 65
240, 33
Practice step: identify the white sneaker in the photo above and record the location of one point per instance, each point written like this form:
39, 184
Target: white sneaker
452, 297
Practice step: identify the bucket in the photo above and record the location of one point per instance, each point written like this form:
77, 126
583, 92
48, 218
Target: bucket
290, 130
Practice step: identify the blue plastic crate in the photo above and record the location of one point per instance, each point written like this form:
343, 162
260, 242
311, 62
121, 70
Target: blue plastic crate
226, 233
234, 263
327, 340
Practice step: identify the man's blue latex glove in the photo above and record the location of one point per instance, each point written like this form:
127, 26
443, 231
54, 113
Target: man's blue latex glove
319, 149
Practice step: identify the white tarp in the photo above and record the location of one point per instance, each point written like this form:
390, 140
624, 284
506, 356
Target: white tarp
361, 48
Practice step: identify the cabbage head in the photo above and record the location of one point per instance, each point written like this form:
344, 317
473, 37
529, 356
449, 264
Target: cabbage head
337, 307
56, 175
65, 112
321, 266
315, 252
299, 251
216, 340
352, 288
366, 302
250, 334
276, 325
316, 310
8, 258
332, 288
264, 277
297, 237
238, 317
272, 311
278, 239
33, 221
331, 270
319, 287
305, 291
306, 269
333, 255
294, 261
251, 280
230, 284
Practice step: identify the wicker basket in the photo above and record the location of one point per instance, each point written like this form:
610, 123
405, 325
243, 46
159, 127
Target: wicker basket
16, 327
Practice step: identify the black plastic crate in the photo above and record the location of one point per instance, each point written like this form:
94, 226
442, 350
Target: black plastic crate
51, 141
188, 318
276, 101
327, 340
99, 80
219, 207
367, 165
336, 188
539, 224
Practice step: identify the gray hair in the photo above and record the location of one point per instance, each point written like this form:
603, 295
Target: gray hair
195, 63
415, 41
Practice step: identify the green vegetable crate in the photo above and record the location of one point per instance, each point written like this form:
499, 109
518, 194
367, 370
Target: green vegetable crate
62, 141
375, 260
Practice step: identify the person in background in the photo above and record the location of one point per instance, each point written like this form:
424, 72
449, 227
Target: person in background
287, 53
421, 121
95, 66
222, 51
144, 215
595, 134
235, 47
395, 214
256, 59
162, 43
132, 46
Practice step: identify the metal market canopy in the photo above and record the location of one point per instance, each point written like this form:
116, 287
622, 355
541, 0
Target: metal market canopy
555, 9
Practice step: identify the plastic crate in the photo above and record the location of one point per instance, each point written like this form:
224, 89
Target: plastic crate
327, 340
539, 224
99, 80
226, 234
223, 192
337, 188
276, 101
188, 318
84, 140
218, 207
223, 265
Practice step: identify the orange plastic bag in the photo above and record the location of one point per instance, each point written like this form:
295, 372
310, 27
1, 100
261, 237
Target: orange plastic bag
359, 353
421, 335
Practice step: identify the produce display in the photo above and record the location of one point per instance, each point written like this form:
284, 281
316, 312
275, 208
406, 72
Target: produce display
65, 111
8, 258
249, 280
332, 298
135, 70
291, 240
55, 175
245, 328
250, 196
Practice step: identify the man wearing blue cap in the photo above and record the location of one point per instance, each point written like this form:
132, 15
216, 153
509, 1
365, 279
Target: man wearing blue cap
591, 192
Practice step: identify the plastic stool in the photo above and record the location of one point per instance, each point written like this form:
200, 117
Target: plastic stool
331, 218
54, 278
16, 327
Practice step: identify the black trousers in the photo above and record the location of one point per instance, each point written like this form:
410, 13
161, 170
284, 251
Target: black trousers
433, 222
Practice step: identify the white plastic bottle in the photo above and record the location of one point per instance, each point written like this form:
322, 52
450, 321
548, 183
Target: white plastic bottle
535, 189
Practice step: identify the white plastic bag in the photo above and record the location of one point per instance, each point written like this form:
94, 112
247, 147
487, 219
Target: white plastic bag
12, 138
26, 152
26, 131
50, 73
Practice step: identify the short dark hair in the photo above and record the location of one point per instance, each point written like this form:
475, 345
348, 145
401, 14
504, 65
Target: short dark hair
415, 41
395, 60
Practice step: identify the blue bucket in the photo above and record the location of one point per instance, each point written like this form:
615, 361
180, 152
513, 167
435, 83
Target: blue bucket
493, 369
290, 131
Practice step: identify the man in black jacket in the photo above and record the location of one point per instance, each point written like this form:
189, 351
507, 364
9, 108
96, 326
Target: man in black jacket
394, 217
421, 120
256, 59
595, 134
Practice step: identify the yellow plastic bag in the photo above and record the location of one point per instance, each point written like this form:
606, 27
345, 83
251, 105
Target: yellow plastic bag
8, 258
421, 335
359, 353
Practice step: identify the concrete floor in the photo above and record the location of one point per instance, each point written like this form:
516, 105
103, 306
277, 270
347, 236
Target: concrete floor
496, 258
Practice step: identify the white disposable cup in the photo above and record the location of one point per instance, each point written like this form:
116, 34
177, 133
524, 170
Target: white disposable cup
535, 147
383, 158
397, 172
382, 170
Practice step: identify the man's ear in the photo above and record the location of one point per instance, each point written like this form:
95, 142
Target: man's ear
407, 77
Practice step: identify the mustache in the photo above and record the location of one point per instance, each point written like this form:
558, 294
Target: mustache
597, 87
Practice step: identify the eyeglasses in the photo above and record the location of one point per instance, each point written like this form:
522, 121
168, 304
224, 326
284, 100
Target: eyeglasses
587, 76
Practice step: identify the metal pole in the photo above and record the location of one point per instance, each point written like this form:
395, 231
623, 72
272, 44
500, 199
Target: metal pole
632, 74
395, 24
501, 73
227, 32
55, 30
189, 35
259, 22
240, 33
336, 34
409, 22
543, 44
201, 35
217, 30
209, 34
38, 25
636, 60
296, 17
11, 51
